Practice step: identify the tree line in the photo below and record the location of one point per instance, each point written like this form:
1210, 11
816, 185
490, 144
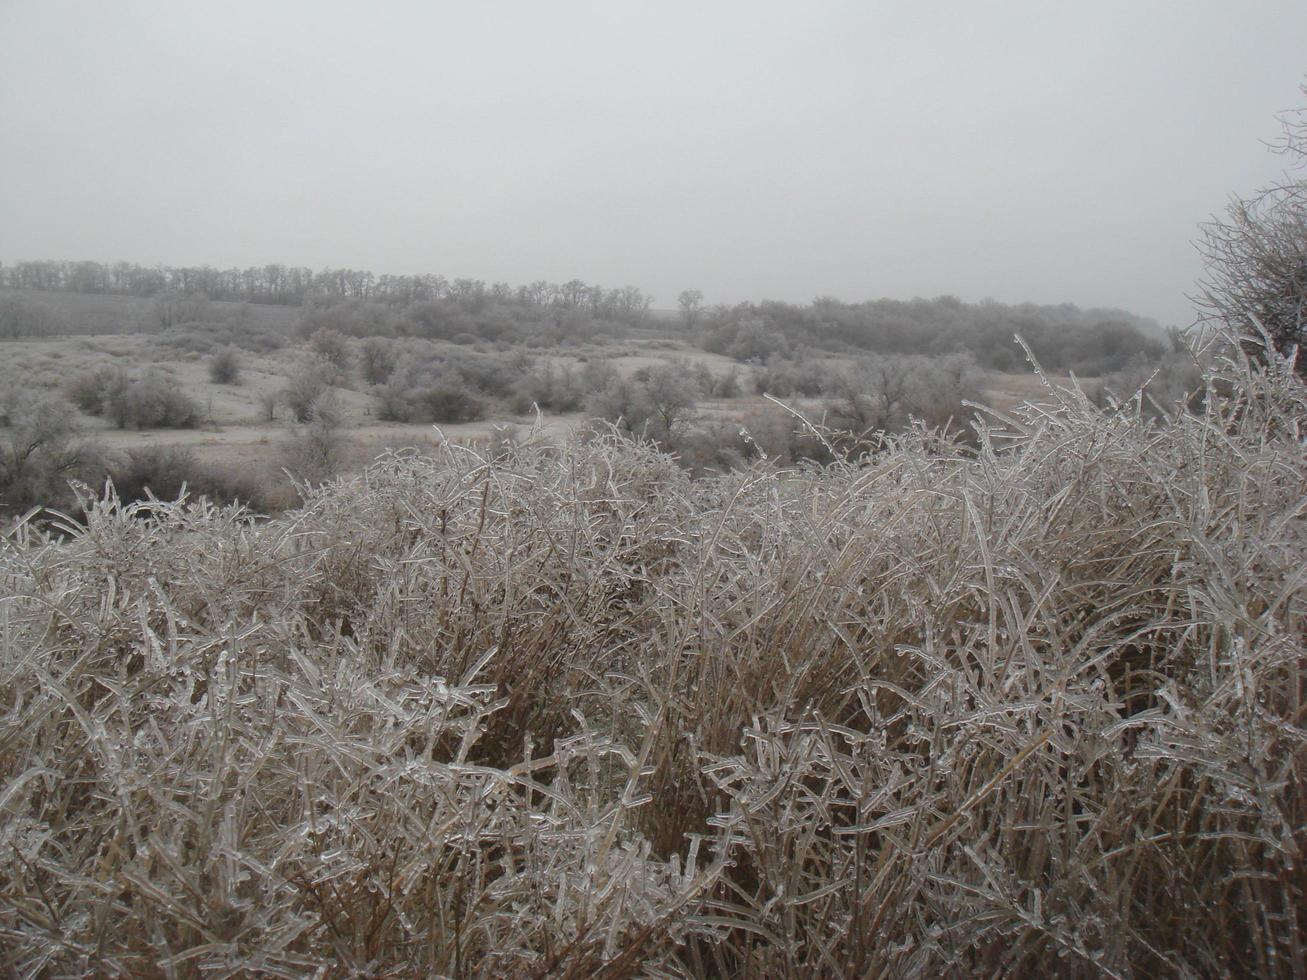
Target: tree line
1088, 341
287, 285
359, 304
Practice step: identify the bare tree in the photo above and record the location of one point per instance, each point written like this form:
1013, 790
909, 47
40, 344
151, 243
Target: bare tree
691, 304
1255, 257
672, 396
376, 360
174, 306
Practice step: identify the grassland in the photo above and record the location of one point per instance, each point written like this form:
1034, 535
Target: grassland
1031, 709
234, 426
107, 332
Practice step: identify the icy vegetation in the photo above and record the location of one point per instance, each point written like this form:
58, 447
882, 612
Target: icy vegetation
1034, 708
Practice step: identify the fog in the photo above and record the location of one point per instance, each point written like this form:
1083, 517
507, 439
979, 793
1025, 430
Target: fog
1023, 151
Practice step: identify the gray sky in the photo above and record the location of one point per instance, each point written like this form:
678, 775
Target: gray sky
1049, 151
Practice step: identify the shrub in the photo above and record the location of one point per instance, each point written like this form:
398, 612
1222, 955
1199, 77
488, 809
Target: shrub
305, 386
550, 386
225, 367
448, 399
209, 336
656, 403
38, 452
726, 385
437, 392
701, 375
755, 342
89, 390
1173, 383
313, 452
151, 402
161, 471
789, 378
1255, 257
715, 448
268, 399
165, 472
597, 374
885, 395
772, 433
351, 317
332, 347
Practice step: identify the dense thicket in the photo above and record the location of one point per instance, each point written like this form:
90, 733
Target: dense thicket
1030, 709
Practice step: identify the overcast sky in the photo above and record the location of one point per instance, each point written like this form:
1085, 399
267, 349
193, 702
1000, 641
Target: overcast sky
1046, 151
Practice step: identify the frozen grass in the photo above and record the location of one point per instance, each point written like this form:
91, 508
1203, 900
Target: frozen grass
1037, 710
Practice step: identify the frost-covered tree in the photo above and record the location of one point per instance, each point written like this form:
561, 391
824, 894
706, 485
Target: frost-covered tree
1255, 256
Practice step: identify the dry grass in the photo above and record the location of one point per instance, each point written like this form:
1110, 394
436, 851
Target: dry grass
51, 364
234, 426
565, 713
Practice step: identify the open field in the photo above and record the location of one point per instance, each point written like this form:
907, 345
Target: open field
233, 423
233, 414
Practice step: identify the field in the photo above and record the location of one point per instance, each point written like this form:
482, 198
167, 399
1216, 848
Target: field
234, 431
1034, 709
657, 681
